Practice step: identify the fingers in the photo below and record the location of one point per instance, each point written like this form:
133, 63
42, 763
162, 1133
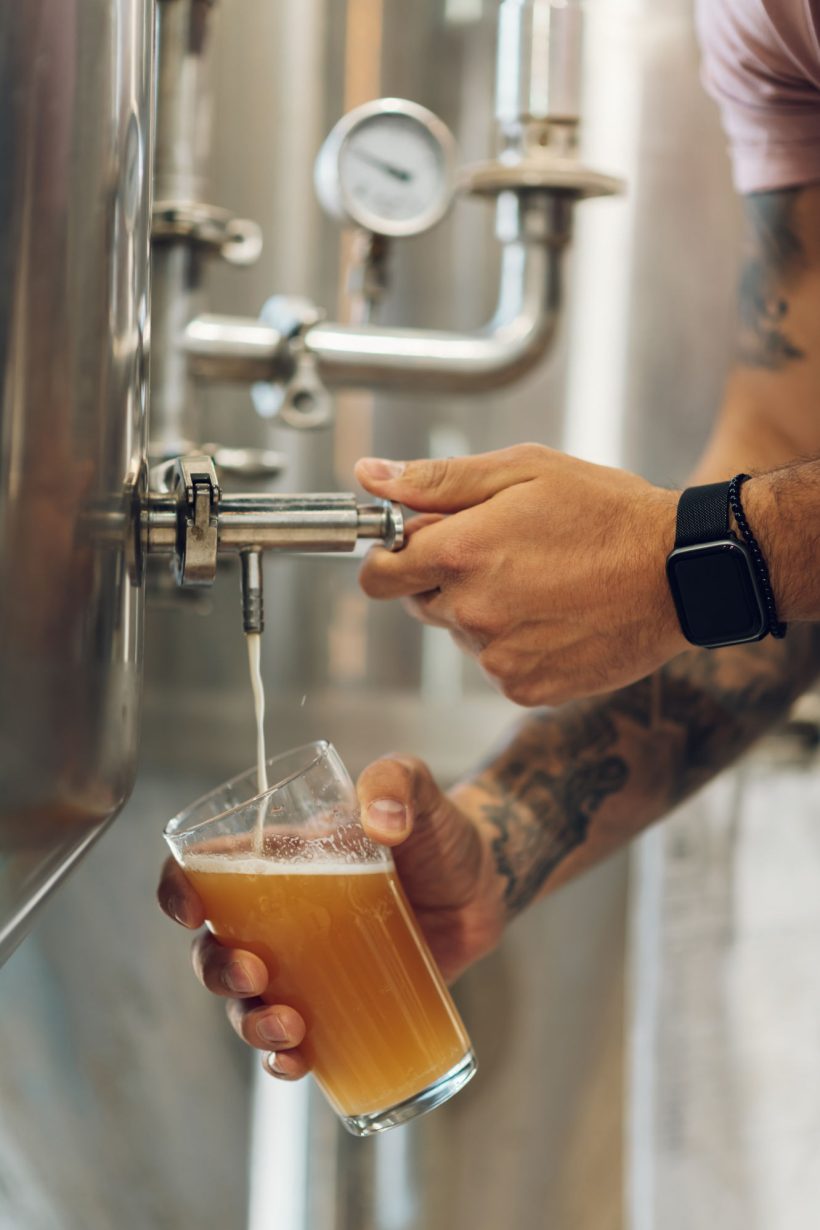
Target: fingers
421, 522
228, 971
286, 1065
276, 1029
424, 562
424, 608
393, 793
177, 898
454, 483
273, 1028
267, 1027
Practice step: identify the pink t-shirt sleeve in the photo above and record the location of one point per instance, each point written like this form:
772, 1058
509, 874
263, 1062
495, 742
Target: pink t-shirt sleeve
761, 62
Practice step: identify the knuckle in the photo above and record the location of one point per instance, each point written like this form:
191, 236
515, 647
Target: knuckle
495, 660
418, 777
433, 475
524, 692
515, 691
393, 766
199, 956
532, 452
389, 774
416, 768
371, 577
470, 616
451, 556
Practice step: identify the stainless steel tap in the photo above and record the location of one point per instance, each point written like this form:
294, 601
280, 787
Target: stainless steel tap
192, 521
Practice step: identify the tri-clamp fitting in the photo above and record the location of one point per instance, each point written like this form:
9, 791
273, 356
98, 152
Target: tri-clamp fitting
194, 522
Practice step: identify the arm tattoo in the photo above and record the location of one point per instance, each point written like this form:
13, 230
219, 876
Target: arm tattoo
774, 258
632, 756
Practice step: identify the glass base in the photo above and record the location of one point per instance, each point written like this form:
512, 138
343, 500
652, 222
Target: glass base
419, 1104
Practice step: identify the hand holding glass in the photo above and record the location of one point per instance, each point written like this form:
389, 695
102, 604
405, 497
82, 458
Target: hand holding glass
290, 875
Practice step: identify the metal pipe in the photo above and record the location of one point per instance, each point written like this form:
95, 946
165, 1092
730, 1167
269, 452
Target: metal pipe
534, 229
184, 38
236, 348
295, 522
538, 64
270, 522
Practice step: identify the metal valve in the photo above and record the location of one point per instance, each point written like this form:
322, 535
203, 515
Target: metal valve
194, 522
197, 493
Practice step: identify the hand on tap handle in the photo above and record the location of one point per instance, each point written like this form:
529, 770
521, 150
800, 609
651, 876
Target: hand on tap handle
444, 861
552, 571
547, 569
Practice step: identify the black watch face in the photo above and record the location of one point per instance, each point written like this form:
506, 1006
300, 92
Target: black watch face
716, 594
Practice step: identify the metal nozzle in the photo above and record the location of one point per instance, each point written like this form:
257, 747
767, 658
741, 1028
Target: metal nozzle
253, 606
194, 522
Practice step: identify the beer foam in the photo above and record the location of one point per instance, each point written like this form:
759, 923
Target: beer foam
219, 864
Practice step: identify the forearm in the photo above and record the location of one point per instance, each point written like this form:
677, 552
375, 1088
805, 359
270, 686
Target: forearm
783, 509
576, 784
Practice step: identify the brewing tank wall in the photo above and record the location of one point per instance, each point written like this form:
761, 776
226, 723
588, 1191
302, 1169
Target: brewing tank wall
75, 152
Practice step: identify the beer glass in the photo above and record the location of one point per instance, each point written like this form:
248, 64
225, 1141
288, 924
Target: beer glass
290, 875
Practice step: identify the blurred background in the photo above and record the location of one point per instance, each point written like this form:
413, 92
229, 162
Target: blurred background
648, 1038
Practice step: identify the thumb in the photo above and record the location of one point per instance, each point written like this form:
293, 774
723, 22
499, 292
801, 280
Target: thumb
393, 794
453, 483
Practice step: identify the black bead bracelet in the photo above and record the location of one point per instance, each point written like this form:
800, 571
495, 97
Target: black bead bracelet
776, 628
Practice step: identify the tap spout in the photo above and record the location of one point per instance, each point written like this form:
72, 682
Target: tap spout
253, 606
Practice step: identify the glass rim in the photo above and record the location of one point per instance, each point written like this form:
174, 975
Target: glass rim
176, 826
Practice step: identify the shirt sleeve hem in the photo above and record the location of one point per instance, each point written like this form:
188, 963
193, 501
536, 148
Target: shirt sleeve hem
770, 169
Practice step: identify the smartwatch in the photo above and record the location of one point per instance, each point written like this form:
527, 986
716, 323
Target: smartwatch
711, 574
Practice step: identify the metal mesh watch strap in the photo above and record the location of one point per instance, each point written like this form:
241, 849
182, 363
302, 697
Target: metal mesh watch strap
703, 514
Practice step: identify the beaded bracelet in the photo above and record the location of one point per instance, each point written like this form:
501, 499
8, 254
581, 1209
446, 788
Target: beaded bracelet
776, 628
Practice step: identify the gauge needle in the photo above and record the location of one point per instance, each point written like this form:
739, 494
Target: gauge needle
387, 167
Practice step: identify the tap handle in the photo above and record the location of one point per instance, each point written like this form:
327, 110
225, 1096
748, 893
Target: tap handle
384, 520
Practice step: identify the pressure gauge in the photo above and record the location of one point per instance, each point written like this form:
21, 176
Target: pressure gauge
387, 166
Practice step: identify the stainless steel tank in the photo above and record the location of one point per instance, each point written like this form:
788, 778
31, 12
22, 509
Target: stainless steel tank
75, 171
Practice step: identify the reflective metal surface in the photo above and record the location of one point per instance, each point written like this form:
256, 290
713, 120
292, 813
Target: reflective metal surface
75, 151
539, 62
184, 36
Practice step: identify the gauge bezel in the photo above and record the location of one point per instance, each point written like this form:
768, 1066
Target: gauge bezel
328, 178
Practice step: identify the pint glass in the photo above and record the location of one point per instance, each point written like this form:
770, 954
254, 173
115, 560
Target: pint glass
290, 875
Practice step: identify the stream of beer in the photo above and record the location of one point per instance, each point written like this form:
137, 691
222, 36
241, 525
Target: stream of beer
254, 661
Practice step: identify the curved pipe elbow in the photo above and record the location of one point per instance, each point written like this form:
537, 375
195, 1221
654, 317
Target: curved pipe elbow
513, 342
398, 359
412, 359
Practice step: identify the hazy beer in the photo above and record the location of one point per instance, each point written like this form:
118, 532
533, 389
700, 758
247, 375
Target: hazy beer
290, 874
342, 947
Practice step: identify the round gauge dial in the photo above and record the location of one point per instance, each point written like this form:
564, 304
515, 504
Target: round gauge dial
387, 167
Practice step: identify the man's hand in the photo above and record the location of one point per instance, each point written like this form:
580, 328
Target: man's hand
447, 872
549, 570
